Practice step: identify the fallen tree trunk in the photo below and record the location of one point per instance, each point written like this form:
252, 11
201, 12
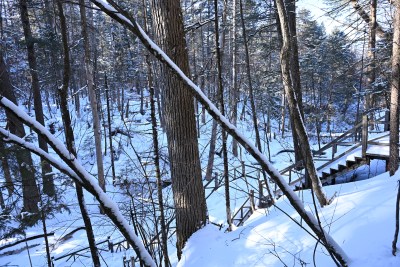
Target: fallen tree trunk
25, 240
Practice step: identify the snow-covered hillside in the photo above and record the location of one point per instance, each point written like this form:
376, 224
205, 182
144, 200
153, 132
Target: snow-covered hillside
361, 219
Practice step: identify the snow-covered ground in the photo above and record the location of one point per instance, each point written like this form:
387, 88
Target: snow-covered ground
361, 219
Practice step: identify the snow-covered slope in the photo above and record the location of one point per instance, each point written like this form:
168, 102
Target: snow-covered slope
361, 219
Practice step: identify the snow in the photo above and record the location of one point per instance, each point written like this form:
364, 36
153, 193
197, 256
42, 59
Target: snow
361, 219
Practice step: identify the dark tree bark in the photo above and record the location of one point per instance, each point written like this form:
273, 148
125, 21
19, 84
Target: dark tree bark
69, 135
396, 230
222, 104
294, 71
394, 95
164, 234
30, 191
248, 73
6, 169
109, 129
164, 231
211, 153
371, 74
180, 124
234, 90
48, 183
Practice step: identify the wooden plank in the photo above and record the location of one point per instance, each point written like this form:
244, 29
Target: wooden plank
364, 138
377, 143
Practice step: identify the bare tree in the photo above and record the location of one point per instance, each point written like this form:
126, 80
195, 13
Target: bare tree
250, 83
69, 135
234, 90
9, 184
294, 71
164, 231
92, 96
48, 183
371, 74
394, 95
294, 108
30, 193
222, 107
180, 124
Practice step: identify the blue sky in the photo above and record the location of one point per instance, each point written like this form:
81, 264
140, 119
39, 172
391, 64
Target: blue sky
316, 7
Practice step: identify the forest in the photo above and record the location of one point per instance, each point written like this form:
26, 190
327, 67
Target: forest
199, 133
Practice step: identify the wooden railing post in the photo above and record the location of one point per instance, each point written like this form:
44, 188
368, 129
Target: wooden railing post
364, 140
252, 205
216, 182
387, 120
306, 179
110, 245
334, 149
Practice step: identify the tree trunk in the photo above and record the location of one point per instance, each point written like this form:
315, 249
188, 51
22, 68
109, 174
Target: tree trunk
248, 73
9, 184
294, 71
222, 104
371, 74
211, 153
234, 92
109, 129
164, 231
164, 234
394, 95
180, 125
48, 183
69, 135
397, 224
294, 108
92, 96
30, 191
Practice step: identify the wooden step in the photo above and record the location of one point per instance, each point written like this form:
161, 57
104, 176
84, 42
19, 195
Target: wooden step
350, 163
358, 159
341, 167
325, 174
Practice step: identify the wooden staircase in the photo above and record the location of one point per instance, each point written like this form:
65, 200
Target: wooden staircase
329, 175
244, 212
335, 165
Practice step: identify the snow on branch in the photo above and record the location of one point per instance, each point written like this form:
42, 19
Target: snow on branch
72, 167
12, 138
